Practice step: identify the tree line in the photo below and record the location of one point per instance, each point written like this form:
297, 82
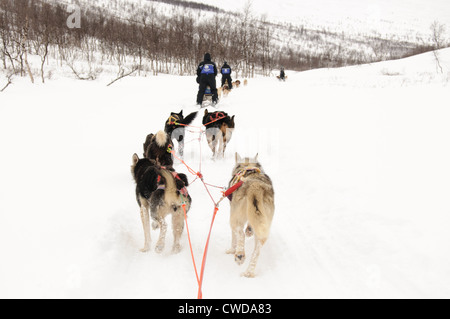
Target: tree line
150, 41
146, 40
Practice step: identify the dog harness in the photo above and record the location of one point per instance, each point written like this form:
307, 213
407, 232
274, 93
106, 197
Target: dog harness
173, 120
238, 179
216, 116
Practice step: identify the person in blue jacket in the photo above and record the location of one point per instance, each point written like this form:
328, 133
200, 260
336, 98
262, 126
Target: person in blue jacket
206, 75
226, 75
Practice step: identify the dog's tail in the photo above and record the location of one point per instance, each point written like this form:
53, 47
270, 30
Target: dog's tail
260, 212
170, 195
161, 138
189, 119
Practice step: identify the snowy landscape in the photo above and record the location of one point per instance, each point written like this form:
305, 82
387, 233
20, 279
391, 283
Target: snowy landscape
367, 143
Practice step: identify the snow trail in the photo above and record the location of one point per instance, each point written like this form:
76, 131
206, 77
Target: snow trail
360, 172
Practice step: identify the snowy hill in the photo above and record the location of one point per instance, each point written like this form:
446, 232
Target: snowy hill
393, 17
169, 38
367, 144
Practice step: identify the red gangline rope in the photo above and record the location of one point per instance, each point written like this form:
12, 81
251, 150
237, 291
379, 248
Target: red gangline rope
216, 208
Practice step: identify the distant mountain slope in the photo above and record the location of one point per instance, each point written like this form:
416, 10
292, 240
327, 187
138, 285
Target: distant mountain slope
405, 19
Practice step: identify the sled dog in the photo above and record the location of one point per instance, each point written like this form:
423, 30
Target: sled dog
219, 129
252, 203
157, 147
226, 90
160, 191
176, 128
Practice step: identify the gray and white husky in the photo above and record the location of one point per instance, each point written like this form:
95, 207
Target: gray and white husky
253, 204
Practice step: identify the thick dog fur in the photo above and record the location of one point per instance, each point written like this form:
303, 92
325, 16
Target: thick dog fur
158, 195
252, 203
156, 148
218, 132
177, 132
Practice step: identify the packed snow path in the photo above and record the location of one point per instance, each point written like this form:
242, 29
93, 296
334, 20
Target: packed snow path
359, 160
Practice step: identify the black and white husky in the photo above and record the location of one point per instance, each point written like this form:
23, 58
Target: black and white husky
175, 127
160, 191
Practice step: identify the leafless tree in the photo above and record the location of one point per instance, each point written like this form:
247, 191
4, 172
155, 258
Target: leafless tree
9, 81
438, 34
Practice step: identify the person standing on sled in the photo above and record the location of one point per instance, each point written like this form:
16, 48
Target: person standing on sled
206, 75
226, 75
282, 75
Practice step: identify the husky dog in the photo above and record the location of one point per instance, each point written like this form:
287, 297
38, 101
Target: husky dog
219, 129
161, 191
252, 203
175, 128
226, 90
157, 147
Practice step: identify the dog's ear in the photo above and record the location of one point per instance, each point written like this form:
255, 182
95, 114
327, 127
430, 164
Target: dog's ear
206, 112
256, 158
238, 158
181, 113
135, 158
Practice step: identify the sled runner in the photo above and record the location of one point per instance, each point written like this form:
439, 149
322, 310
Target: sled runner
207, 98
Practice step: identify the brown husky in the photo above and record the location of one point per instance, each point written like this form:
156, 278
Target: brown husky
252, 203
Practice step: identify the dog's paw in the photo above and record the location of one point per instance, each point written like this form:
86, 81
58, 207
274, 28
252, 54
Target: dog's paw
239, 258
145, 249
176, 249
248, 274
230, 251
159, 247
155, 225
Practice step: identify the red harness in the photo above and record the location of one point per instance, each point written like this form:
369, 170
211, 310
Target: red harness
214, 117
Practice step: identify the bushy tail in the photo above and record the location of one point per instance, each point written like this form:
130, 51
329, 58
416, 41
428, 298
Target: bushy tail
260, 213
189, 119
169, 181
170, 193
161, 138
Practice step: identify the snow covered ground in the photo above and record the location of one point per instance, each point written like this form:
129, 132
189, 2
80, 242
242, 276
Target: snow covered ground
368, 146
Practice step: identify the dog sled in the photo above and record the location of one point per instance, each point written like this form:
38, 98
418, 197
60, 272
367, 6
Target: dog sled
207, 98
208, 93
